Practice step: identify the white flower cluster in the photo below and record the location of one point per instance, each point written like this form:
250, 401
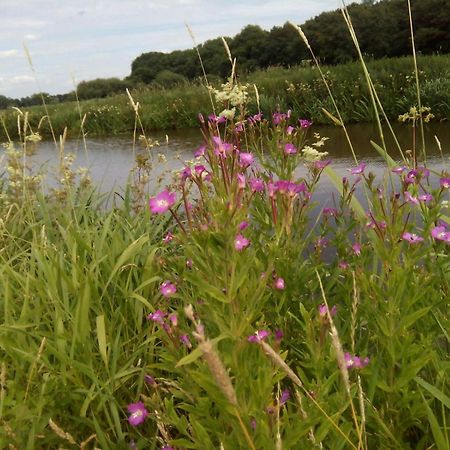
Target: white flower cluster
233, 93
311, 154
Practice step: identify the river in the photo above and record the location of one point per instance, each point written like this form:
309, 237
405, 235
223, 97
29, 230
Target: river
110, 160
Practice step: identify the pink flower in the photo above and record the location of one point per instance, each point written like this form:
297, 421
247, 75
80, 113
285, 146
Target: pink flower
221, 148
331, 212
321, 164
411, 177
245, 159
184, 339
355, 362
199, 169
285, 396
304, 123
426, 198
241, 180
167, 238
399, 169
357, 248
279, 284
412, 238
200, 151
343, 265
290, 129
445, 183
259, 336
441, 234
289, 149
278, 335
410, 199
272, 188
162, 202
279, 117
167, 289
157, 316
256, 184
186, 173
358, 170
149, 380
138, 413
240, 242
243, 225
323, 310
174, 319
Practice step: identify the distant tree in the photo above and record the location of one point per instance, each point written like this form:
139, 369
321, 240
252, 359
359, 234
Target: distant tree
5, 102
168, 79
101, 87
249, 48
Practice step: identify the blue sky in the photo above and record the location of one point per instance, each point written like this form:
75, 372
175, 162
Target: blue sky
74, 40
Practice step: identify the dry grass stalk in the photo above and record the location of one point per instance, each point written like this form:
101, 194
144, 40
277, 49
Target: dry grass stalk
61, 433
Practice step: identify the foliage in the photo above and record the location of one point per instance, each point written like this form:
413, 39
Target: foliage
227, 314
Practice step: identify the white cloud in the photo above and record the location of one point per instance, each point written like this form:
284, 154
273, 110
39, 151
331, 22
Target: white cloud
30, 37
100, 38
8, 53
19, 79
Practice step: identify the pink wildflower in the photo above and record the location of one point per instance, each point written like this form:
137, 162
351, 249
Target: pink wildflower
162, 202
168, 238
441, 234
138, 413
200, 151
279, 284
355, 362
256, 184
167, 289
323, 310
259, 336
241, 180
410, 199
157, 316
245, 159
240, 242
358, 170
412, 238
289, 149
445, 183
304, 123
357, 248
285, 396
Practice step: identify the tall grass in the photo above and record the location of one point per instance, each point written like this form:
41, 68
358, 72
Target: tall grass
224, 312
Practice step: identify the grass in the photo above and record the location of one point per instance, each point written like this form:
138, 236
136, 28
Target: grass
300, 89
224, 312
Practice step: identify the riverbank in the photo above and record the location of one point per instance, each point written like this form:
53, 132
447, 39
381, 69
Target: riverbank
299, 89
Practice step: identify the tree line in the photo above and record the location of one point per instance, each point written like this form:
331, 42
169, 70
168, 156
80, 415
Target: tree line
382, 28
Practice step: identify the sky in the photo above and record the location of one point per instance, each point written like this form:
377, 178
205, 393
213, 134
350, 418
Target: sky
74, 40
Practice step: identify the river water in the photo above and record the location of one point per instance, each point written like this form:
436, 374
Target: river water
110, 160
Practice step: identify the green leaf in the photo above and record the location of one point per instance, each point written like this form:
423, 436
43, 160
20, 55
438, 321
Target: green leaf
439, 438
389, 161
101, 338
434, 391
